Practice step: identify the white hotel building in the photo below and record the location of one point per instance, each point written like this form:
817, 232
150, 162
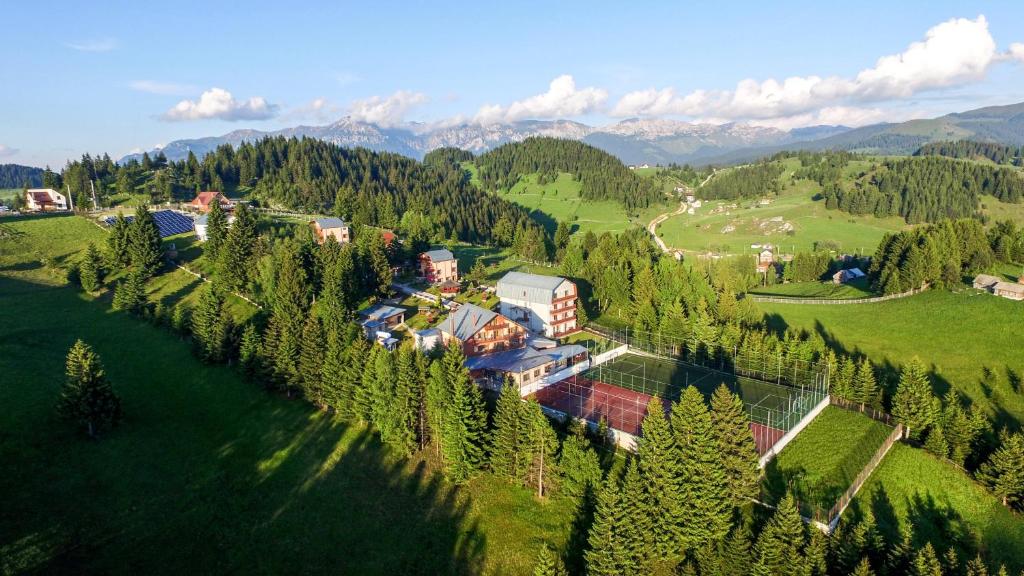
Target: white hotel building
544, 304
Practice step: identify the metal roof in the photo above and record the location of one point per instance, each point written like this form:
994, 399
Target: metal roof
440, 255
986, 280
467, 321
329, 222
522, 359
529, 287
380, 312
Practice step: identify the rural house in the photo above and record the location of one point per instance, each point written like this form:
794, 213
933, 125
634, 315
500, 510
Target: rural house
992, 284
380, 318
203, 200
45, 200
765, 261
525, 366
545, 304
331, 227
848, 275
439, 266
480, 331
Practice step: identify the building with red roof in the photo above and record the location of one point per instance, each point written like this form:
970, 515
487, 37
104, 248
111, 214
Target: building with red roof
203, 200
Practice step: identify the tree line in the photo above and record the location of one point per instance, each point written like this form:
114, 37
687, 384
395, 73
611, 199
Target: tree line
972, 150
601, 175
18, 176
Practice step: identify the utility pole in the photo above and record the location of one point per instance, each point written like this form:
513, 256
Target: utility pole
95, 205
71, 201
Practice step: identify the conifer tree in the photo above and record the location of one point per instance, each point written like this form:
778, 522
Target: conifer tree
636, 526
235, 256
660, 471
333, 370
216, 231
913, 405
579, 465
976, 567
249, 351
180, 320
735, 445
382, 409
863, 568
90, 271
1003, 473
438, 402
466, 421
780, 546
144, 242
506, 438
926, 562
408, 391
117, 242
865, 386
607, 555
549, 563
705, 491
87, 397
311, 361
935, 442
363, 397
542, 443
356, 357
211, 326
130, 294
961, 427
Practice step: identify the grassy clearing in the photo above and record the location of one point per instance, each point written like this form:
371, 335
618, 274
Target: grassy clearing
942, 504
497, 261
970, 340
209, 472
8, 193
860, 288
822, 461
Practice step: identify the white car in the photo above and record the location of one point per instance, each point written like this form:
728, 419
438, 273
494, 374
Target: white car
4, 209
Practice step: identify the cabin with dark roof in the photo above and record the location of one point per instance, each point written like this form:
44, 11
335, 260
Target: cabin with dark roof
481, 331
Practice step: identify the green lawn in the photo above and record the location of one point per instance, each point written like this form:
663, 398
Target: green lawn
822, 461
942, 504
8, 193
497, 261
860, 288
209, 473
970, 340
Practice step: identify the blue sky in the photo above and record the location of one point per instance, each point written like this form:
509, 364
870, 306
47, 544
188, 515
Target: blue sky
115, 77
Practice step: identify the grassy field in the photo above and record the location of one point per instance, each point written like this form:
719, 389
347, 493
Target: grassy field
860, 288
8, 193
941, 504
822, 461
968, 339
207, 472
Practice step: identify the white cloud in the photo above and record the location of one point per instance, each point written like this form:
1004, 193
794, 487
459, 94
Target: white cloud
94, 45
318, 109
155, 87
561, 100
6, 151
217, 103
388, 111
952, 53
1016, 51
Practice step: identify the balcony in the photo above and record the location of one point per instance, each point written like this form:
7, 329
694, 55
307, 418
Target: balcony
556, 301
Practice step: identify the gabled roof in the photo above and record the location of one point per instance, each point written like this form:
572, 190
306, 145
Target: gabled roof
1012, 287
521, 359
329, 222
529, 287
205, 198
380, 312
465, 322
986, 280
439, 255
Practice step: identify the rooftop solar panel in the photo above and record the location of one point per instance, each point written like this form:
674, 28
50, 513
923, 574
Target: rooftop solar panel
168, 222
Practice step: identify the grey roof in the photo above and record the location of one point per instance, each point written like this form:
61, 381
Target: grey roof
330, 222
1009, 287
522, 359
380, 312
467, 321
201, 221
986, 280
440, 255
529, 287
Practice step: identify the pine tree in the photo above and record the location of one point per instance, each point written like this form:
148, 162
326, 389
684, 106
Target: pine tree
180, 321
87, 397
382, 410
607, 555
780, 547
438, 403
542, 443
356, 357
144, 242
311, 361
130, 294
976, 567
408, 392
579, 465
506, 438
333, 372
926, 563
249, 351
865, 386
363, 397
914, 406
117, 243
660, 471
549, 563
735, 445
216, 231
90, 271
211, 326
935, 442
1003, 473
235, 256
636, 525
705, 490
466, 421
863, 568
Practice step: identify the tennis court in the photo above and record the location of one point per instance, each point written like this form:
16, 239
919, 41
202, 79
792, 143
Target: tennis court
620, 389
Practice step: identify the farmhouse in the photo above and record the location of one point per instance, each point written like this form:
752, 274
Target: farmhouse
1011, 290
439, 266
848, 275
480, 331
45, 200
985, 282
380, 318
331, 227
545, 304
765, 260
203, 201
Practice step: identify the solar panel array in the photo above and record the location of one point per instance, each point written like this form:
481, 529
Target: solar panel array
168, 222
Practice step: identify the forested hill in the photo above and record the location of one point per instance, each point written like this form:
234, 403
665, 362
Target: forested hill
998, 153
601, 175
17, 176
318, 177
925, 189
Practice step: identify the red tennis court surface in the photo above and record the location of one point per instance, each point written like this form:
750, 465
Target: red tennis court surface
623, 409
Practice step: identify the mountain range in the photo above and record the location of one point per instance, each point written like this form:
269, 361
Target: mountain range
653, 141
